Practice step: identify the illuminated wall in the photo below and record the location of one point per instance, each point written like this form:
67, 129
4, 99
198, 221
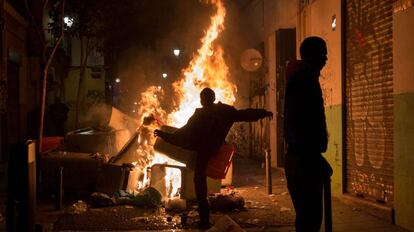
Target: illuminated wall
403, 49
323, 18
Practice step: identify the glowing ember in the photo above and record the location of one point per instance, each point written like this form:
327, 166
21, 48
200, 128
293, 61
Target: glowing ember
206, 69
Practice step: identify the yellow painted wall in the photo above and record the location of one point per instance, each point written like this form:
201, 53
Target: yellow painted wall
70, 92
316, 20
403, 63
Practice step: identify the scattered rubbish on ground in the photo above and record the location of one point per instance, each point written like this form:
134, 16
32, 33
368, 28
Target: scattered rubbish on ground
225, 223
79, 207
193, 213
176, 204
98, 200
149, 198
228, 189
140, 219
256, 221
184, 219
255, 205
226, 202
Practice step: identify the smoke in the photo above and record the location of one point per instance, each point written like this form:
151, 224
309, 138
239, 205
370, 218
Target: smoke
236, 38
104, 117
140, 66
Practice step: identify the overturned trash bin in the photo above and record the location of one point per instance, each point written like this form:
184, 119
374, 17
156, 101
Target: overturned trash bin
218, 165
216, 170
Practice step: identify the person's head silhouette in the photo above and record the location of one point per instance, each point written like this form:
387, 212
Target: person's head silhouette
207, 97
313, 51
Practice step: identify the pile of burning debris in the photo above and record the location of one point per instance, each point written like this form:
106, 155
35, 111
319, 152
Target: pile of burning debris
113, 163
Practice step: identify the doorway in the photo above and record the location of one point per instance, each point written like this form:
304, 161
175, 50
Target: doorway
285, 52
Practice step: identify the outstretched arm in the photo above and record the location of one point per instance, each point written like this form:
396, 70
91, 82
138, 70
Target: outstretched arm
251, 115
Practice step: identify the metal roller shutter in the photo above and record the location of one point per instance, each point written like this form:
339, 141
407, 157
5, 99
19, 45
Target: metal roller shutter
369, 99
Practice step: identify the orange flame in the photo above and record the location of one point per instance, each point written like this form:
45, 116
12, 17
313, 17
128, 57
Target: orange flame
207, 69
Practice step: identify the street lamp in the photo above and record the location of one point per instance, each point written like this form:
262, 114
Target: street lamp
176, 52
117, 80
165, 75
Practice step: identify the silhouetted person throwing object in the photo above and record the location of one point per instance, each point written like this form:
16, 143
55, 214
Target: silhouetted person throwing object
306, 134
205, 133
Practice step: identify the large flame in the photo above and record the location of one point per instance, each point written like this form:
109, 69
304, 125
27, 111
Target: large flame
206, 69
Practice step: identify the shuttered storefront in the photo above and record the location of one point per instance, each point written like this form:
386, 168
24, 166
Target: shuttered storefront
369, 100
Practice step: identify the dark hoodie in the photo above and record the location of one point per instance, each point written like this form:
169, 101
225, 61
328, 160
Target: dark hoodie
304, 115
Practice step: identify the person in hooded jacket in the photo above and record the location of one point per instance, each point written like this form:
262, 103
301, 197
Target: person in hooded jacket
306, 134
205, 133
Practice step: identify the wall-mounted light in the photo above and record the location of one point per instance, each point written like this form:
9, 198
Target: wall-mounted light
333, 23
117, 80
176, 52
164, 75
68, 21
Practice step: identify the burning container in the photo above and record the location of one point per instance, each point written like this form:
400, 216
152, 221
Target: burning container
216, 170
218, 165
109, 130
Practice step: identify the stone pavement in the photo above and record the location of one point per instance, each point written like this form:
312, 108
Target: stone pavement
345, 217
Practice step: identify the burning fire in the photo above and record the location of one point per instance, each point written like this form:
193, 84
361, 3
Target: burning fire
206, 69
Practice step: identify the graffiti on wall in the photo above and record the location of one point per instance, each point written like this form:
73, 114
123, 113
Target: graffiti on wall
402, 5
369, 98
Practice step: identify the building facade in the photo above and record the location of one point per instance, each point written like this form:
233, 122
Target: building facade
14, 79
368, 93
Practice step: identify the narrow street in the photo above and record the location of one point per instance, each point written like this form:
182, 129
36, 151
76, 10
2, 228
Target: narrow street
126, 115
262, 212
